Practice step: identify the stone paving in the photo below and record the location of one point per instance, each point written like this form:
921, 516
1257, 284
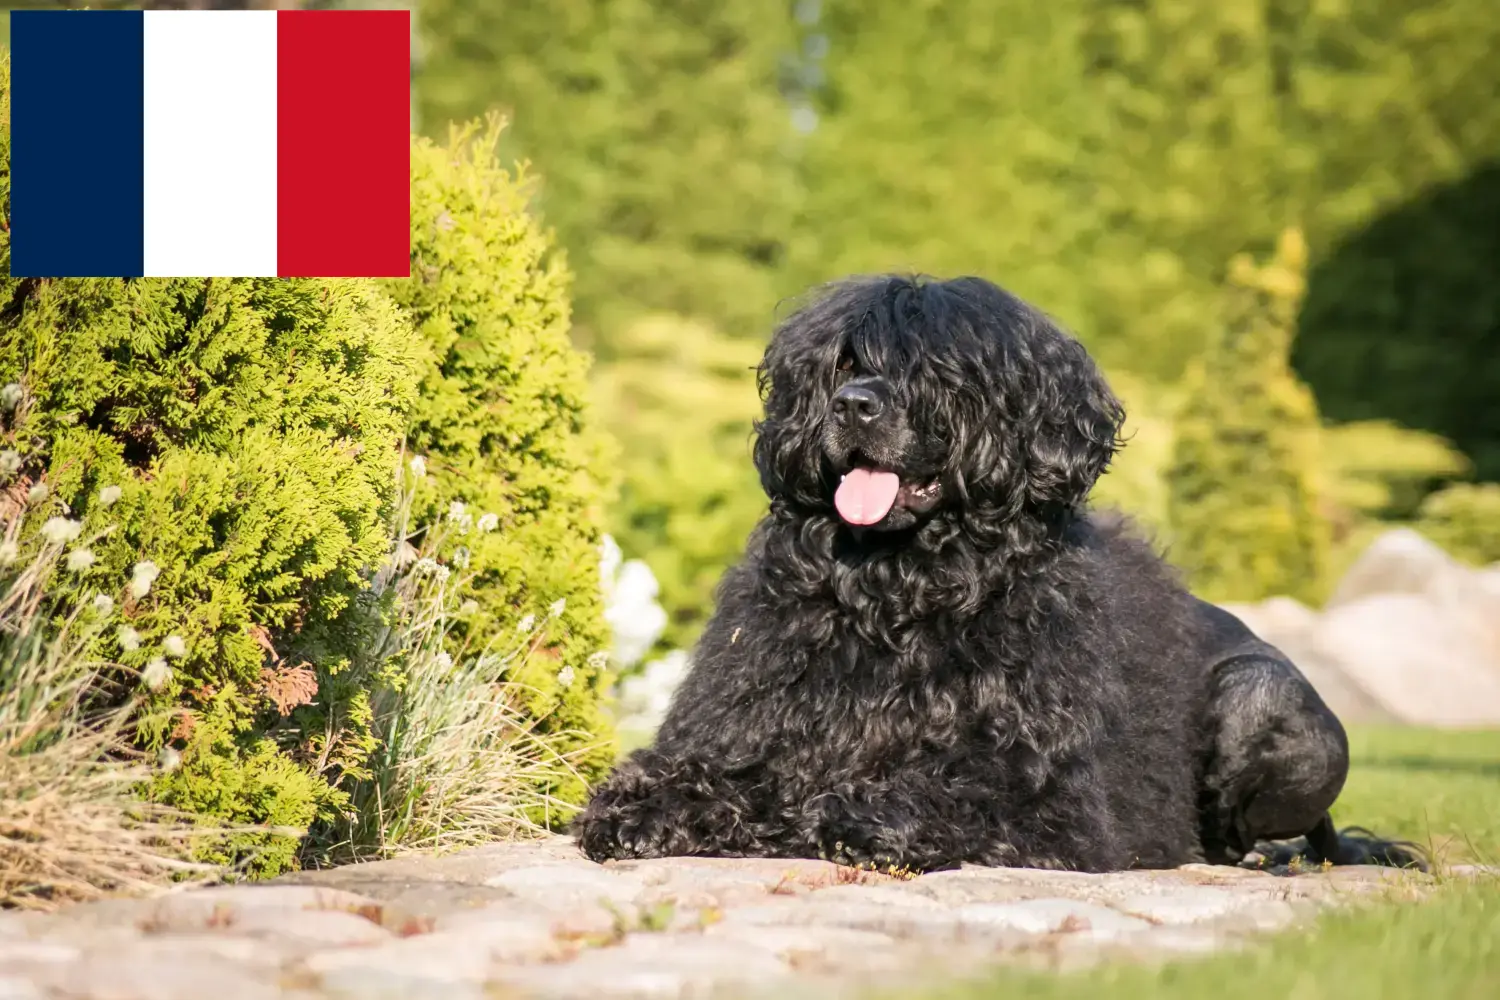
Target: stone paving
538, 920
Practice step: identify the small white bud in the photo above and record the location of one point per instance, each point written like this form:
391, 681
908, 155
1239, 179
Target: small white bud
142, 576
128, 638
10, 462
37, 493
565, 676
157, 674
109, 495
599, 660
418, 466
526, 624
10, 396
455, 510
488, 522
468, 607
174, 647
80, 560
557, 607
461, 558
8, 553
443, 660
168, 759
104, 604
61, 530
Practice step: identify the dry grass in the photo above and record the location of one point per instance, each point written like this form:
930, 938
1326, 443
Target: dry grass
458, 762
71, 825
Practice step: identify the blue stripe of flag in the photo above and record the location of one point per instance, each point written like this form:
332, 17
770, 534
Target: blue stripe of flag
77, 143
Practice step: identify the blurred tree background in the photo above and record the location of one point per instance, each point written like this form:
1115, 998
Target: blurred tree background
1132, 166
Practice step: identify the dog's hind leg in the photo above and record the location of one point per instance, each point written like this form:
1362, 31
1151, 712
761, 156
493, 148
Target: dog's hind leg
1276, 760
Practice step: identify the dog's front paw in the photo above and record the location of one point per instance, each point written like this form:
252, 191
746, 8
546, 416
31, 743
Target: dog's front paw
609, 830
847, 834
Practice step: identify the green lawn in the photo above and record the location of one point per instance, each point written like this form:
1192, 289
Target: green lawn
1436, 788
1433, 787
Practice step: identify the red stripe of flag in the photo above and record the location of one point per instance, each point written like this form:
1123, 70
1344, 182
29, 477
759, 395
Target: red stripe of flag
343, 143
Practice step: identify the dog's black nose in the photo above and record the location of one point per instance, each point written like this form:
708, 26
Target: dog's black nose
856, 404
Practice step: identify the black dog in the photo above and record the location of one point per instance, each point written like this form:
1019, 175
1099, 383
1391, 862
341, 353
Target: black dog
933, 654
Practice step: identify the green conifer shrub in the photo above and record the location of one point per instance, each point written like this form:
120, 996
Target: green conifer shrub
232, 442
229, 449
1464, 518
681, 398
1244, 493
503, 427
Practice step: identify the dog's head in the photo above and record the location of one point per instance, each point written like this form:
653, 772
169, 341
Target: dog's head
893, 401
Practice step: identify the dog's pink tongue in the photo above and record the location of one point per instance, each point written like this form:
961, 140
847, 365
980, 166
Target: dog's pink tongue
866, 495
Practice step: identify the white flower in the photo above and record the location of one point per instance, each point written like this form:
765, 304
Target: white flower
104, 604
37, 493
557, 607
455, 510
8, 553
442, 573
109, 495
10, 462
468, 607
418, 466
61, 530
426, 564
174, 647
565, 676
610, 558
156, 674
599, 660
632, 612
488, 522
10, 396
142, 576
80, 560
128, 638
526, 624
461, 558
168, 759
443, 660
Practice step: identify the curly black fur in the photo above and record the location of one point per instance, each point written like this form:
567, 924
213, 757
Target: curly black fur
988, 673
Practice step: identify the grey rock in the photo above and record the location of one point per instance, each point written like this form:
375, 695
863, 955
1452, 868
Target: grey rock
189, 975
1187, 905
446, 957
1424, 659
1044, 916
17, 988
651, 966
554, 885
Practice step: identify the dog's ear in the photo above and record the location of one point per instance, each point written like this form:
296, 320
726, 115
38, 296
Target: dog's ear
1072, 423
790, 378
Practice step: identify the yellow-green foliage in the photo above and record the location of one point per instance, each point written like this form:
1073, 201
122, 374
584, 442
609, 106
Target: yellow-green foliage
682, 398
1136, 482
1244, 506
502, 423
660, 134
1375, 468
1465, 519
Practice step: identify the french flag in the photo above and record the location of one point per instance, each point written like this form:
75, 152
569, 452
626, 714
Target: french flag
211, 143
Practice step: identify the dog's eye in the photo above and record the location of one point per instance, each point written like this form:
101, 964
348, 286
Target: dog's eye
846, 364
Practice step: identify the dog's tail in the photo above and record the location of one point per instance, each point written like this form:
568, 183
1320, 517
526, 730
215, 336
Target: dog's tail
1354, 845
